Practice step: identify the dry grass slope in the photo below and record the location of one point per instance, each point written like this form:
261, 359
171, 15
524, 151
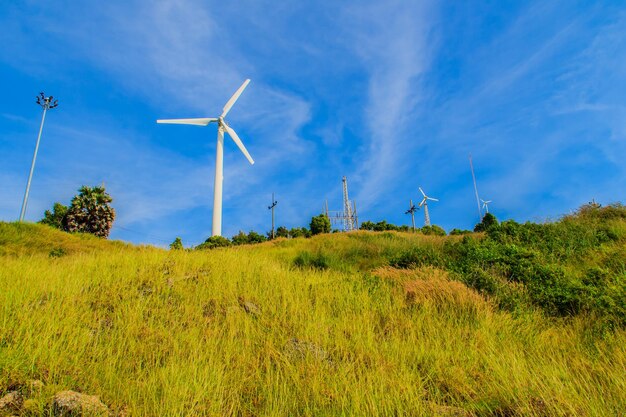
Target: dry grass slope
166, 333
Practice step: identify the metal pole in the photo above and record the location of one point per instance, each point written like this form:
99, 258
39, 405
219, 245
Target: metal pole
412, 214
32, 165
273, 205
274, 202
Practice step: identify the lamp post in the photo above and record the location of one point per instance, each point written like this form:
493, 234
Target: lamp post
46, 103
274, 202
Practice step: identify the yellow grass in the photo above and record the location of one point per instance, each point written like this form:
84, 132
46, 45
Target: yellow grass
163, 333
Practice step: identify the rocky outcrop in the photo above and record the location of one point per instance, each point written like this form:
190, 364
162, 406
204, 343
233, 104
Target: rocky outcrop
11, 402
73, 404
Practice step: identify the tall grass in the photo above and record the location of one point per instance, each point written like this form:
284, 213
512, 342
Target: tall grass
339, 332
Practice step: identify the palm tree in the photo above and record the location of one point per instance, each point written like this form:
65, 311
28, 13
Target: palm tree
90, 212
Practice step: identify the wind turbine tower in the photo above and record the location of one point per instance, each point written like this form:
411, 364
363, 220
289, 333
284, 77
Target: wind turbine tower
271, 207
222, 127
412, 209
424, 204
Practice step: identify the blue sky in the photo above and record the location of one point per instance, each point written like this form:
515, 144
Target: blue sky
392, 94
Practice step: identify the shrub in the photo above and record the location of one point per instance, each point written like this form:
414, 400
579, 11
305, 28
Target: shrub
240, 238
56, 217
177, 244
433, 230
214, 242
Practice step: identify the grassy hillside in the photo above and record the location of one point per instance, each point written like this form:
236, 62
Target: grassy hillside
504, 323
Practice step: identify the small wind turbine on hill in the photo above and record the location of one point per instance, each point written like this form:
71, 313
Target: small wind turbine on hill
219, 157
486, 205
424, 204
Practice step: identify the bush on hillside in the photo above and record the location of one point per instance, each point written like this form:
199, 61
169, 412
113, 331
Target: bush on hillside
214, 242
254, 237
240, 238
55, 217
177, 244
433, 230
282, 231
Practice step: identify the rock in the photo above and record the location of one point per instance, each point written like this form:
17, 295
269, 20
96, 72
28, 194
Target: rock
298, 349
72, 404
250, 307
12, 401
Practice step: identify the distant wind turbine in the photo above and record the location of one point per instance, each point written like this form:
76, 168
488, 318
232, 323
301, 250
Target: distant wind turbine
486, 205
424, 204
219, 157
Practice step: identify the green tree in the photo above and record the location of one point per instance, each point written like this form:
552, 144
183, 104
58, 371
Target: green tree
90, 212
488, 221
320, 224
56, 217
177, 244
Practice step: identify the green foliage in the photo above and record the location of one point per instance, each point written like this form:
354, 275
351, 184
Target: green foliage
254, 237
90, 212
488, 221
299, 232
459, 232
382, 226
214, 242
177, 244
433, 230
282, 231
240, 238
56, 217
320, 224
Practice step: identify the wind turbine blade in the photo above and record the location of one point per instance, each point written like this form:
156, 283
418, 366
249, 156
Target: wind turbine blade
197, 122
434, 199
235, 138
234, 98
422, 191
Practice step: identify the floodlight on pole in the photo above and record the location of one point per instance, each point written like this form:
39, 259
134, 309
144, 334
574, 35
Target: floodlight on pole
271, 207
46, 103
412, 209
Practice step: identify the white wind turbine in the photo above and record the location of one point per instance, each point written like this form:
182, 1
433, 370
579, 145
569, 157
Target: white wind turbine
219, 156
486, 205
424, 204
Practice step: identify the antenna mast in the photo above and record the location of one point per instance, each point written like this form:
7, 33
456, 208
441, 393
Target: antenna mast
347, 218
480, 213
